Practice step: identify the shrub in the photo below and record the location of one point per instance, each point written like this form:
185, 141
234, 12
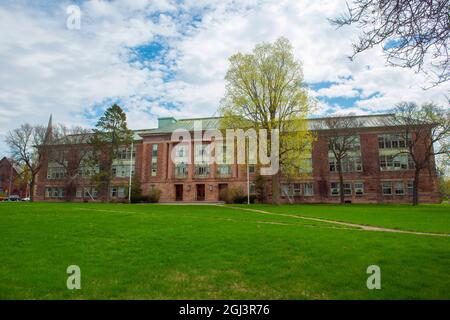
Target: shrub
153, 195
235, 195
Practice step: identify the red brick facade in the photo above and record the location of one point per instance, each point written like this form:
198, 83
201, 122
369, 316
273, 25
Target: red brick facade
191, 187
10, 182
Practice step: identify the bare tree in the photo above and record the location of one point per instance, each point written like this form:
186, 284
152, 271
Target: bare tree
23, 143
342, 142
70, 151
413, 33
427, 131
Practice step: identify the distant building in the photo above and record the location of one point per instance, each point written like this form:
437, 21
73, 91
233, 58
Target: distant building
373, 173
10, 182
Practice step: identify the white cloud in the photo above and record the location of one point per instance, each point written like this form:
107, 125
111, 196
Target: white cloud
45, 68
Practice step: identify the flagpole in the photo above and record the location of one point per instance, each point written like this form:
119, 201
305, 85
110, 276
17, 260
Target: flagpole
131, 170
248, 172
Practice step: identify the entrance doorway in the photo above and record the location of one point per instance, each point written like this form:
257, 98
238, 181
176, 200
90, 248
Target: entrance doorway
178, 192
200, 192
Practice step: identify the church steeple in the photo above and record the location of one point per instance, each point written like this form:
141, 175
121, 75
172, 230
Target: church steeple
49, 132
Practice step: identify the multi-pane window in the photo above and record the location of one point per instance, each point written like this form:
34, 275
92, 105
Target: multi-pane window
181, 170
88, 171
350, 143
252, 188
54, 192
308, 189
87, 192
349, 164
396, 162
334, 188
125, 154
399, 188
224, 170
122, 171
359, 188
55, 171
410, 186
286, 190
251, 168
297, 189
117, 192
393, 141
154, 160
386, 188
202, 170
347, 189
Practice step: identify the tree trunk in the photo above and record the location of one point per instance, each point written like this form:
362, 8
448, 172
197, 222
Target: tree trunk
341, 182
416, 187
32, 183
276, 189
341, 187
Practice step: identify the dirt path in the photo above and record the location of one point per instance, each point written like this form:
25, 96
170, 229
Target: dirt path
347, 224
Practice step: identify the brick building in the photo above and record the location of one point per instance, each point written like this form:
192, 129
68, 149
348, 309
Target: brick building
374, 173
10, 182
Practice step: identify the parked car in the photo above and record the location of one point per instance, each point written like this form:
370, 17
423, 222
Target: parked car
26, 199
13, 198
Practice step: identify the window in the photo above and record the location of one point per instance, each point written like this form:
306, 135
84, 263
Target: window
353, 143
201, 169
122, 171
297, 189
121, 192
334, 188
398, 162
113, 192
410, 187
399, 188
54, 192
286, 190
347, 189
56, 172
308, 189
181, 170
125, 154
387, 188
154, 160
79, 193
251, 168
224, 170
349, 164
393, 141
252, 188
359, 188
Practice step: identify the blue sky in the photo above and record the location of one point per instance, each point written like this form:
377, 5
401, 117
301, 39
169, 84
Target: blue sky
169, 57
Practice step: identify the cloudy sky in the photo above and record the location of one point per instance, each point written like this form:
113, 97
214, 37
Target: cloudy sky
169, 57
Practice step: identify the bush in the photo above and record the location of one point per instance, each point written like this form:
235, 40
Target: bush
235, 195
153, 195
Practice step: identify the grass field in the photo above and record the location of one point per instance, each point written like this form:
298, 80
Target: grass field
210, 252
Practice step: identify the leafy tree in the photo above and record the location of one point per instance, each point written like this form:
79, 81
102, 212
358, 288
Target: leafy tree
27, 147
414, 33
110, 134
265, 90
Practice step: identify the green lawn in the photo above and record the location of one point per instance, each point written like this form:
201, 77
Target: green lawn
209, 252
425, 218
